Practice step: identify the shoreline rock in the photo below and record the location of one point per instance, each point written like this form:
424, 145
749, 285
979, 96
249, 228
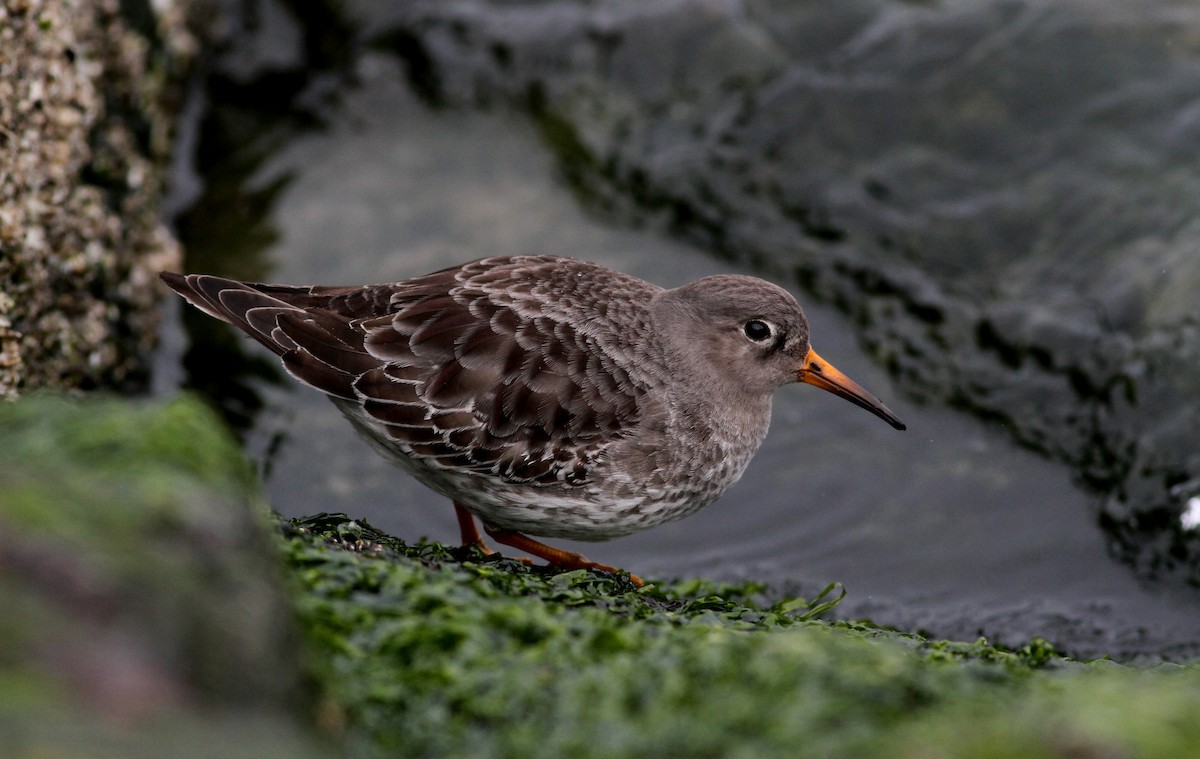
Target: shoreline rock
87, 103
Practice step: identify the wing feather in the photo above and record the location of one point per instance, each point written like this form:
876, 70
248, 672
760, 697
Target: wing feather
466, 368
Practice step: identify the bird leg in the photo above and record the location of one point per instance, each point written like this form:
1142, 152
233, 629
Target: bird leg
555, 557
468, 530
470, 533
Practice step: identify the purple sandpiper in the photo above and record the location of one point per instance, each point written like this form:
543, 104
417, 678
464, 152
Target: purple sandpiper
546, 396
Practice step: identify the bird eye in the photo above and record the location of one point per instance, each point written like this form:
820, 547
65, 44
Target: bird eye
757, 330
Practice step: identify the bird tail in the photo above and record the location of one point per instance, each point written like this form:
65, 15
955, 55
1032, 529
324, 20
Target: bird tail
318, 347
245, 305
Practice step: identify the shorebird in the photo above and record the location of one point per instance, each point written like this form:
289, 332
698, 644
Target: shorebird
547, 396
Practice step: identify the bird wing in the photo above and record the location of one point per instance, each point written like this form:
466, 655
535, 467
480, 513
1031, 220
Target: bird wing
451, 368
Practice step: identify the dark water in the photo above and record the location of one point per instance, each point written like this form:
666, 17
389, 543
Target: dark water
984, 517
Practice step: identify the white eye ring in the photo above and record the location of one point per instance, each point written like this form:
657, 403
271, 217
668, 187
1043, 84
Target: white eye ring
758, 330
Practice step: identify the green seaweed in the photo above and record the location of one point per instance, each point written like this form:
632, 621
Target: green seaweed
142, 611
431, 651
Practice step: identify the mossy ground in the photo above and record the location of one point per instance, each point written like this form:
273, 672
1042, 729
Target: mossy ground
142, 611
134, 554
429, 651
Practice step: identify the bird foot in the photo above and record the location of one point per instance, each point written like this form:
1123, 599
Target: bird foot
555, 557
487, 551
584, 563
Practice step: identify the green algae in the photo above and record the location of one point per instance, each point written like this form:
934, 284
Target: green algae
142, 610
429, 651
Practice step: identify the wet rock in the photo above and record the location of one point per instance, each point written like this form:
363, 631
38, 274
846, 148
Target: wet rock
85, 103
144, 612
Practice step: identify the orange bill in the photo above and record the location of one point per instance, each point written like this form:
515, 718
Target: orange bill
820, 373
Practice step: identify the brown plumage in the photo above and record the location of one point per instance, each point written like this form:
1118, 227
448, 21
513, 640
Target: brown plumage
545, 395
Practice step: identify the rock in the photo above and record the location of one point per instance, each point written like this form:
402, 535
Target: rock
86, 103
141, 589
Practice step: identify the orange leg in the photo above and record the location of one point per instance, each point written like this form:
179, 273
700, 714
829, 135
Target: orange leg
555, 557
468, 530
470, 533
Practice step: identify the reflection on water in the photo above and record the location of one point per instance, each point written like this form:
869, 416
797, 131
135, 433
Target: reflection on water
949, 526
